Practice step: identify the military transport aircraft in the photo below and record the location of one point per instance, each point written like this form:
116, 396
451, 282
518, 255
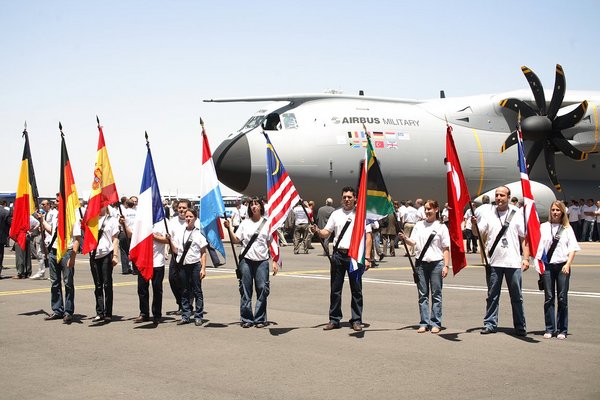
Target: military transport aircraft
319, 138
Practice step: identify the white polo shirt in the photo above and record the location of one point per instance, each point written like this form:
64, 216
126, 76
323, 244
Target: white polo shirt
336, 222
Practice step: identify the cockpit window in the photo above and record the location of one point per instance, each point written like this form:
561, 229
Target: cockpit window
253, 122
289, 121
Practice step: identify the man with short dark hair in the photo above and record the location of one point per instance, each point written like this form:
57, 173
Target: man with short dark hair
502, 248
341, 222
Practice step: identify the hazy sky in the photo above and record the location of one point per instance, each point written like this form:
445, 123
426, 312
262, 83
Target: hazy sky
147, 65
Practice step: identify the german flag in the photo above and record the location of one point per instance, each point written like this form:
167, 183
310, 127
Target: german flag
104, 192
27, 197
68, 202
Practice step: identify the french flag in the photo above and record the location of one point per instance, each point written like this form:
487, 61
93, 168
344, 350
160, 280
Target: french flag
211, 201
150, 211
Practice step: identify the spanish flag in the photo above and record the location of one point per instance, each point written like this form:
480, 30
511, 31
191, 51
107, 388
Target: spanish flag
104, 192
68, 202
27, 198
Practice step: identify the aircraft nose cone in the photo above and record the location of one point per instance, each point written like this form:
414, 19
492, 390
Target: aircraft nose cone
232, 162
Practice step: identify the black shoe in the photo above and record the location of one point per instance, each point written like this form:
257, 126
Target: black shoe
67, 319
521, 333
246, 324
53, 316
381, 256
98, 318
198, 322
487, 331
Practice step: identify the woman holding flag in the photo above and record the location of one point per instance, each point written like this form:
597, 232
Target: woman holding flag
253, 233
190, 245
558, 245
432, 242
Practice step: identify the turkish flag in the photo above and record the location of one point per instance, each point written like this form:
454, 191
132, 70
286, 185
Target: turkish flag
458, 198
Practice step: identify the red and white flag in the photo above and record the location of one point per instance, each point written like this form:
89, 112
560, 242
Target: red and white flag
458, 198
531, 215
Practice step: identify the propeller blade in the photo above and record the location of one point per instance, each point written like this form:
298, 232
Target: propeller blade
550, 166
536, 87
512, 139
533, 154
567, 148
560, 86
570, 119
518, 105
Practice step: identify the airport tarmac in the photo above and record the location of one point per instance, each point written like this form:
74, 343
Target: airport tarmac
293, 358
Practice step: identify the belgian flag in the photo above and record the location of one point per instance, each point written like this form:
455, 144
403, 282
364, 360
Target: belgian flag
68, 201
104, 193
27, 197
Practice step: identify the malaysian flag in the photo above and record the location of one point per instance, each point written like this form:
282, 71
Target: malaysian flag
281, 196
531, 215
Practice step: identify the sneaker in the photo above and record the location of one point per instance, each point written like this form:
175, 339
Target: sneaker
435, 329
422, 329
260, 324
198, 322
561, 336
183, 321
37, 277
547, 335
97, 318
246, 325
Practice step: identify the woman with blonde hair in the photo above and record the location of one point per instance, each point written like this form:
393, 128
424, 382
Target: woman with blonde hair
558, 245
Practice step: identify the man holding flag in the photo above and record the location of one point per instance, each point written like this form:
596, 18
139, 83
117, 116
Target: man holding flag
341, 222
64, 245
504, 230
148, 241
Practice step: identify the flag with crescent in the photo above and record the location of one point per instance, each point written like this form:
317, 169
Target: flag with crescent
458, 198
281, 196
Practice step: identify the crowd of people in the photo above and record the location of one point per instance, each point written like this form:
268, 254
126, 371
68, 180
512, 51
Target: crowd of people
420, 227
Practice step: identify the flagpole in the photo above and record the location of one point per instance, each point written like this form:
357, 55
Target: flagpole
312, 222
164, 219
237, 263
62, 135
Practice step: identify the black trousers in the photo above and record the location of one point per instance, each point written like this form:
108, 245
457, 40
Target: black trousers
157, 293
340, 265
174, 281
102, 269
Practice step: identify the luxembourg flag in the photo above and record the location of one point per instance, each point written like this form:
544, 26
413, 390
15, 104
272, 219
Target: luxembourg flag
150, 211
211, 202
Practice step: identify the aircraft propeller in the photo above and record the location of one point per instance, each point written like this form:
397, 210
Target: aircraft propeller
542, 126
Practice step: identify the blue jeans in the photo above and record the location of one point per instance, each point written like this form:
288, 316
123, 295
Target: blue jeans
191, 285
254, 273
56, 297
102, 270
430, 275
586, 231
513, 278
556, 284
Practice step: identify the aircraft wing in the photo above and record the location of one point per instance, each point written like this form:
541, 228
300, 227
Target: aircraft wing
311, 96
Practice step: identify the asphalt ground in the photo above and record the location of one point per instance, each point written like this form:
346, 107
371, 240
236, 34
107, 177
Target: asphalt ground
293, 358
